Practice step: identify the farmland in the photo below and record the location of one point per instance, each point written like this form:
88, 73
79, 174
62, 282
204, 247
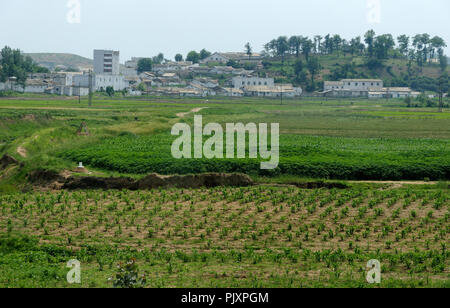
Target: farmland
235, 237
272, 234
316, 157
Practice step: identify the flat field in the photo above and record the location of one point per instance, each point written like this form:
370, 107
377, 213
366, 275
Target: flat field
267, 235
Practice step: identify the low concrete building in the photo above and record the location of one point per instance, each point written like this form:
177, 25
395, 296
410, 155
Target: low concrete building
394, 92
231, 92
225, 57
270, 91
101, 82
352, 86
243, 81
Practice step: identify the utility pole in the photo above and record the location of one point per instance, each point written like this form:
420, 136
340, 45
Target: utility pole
281, 94
441, 94
90, 87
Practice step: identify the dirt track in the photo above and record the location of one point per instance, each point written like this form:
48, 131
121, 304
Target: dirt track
195, 110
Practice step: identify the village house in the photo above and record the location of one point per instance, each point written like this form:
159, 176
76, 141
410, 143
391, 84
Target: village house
395, 92
225, 57
351, 87
231, 92
278, 90
246, 81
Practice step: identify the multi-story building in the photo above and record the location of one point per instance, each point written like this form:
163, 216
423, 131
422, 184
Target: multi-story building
106, 62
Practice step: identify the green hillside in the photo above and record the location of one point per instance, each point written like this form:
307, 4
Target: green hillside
52, 60
393, 71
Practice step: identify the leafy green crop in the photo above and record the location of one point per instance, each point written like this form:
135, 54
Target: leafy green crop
309, 156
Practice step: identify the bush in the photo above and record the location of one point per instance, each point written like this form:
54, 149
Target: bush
128, 276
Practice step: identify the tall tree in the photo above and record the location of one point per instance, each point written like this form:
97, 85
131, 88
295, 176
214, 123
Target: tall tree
178, 57
369, 38
295, 44
382, 45
299, 69
403, 44
144, 65
204, 54
282, 46
14, 64
193, 56
307, 46
317, 43
314, 68
248, 50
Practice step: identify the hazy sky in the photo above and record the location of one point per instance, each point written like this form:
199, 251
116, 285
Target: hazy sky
146, 27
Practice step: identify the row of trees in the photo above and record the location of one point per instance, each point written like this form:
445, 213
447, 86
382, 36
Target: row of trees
421, 47
146, 64
14, 64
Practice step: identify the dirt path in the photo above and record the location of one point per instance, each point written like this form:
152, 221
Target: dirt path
396, 184
195, 110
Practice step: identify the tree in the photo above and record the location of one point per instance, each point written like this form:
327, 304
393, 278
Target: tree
282, 46
158, 59
14, 64
248, 50
178, 57
317, 43
369, 38
204, 54
437, 44
382, 45
403, 44
144, 65
141, 87
299, 71
355, 45
314, 68
193, 56
443, 61
110, 91
295, 44
307, 46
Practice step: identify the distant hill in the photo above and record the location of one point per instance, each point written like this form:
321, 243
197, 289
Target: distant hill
53, 60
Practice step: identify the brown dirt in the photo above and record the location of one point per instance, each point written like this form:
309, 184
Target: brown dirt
6, 161
64, 180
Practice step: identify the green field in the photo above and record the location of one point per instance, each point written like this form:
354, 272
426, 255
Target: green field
228, 237
267, 235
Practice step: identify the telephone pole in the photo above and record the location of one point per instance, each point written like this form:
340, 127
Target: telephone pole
90, 87
441, 95
281, 94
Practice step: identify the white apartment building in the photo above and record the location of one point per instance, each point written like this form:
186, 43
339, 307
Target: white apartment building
106, 62
101, 82
247, 81
353, 85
